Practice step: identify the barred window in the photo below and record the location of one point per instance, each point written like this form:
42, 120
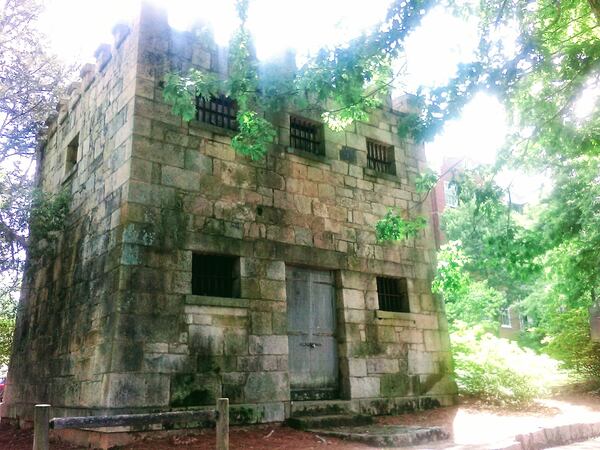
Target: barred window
215, 275
306, 135
219, 111
380, 157
393, 294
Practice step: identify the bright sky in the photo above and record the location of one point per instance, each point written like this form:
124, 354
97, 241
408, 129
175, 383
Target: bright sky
75, 28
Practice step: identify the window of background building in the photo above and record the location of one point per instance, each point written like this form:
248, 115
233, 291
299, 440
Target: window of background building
451, 194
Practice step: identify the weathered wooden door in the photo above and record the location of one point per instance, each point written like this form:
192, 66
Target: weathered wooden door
313, 358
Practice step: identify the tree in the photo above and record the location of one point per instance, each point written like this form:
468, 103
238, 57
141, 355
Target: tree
30, 82
499, 248
468, 301
542, 83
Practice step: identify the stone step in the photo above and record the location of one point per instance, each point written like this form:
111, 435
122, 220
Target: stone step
320, 408
328, 421
384, 436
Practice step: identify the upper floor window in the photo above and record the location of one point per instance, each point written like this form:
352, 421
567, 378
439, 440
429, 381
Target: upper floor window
392, 294
306, 135
380, 157
451, 194
219, 111
72, 153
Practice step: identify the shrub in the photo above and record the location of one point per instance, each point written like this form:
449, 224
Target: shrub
498, 371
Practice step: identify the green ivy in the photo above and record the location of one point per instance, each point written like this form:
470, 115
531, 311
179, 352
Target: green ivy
426, 181
392, 227
255, 133
181, 91
48, 215
350, 80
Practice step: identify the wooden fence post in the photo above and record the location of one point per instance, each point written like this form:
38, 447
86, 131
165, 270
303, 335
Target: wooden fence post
41, 426
223, 424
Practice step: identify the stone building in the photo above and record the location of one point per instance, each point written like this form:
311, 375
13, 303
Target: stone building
188, 272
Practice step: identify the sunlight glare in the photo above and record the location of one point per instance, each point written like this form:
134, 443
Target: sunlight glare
477, 136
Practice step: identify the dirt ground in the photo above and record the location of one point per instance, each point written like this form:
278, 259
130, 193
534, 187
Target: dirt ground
469, 424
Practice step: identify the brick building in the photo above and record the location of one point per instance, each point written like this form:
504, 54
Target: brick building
188, 272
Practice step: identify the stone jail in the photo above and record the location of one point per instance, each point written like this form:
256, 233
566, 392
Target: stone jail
188, 272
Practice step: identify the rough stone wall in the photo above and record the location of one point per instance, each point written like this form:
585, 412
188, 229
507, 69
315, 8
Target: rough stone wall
131, 336
63, 339
288, 208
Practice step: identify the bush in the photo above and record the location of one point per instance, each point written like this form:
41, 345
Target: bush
571, 343
498, 371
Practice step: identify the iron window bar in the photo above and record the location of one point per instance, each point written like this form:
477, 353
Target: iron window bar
306, 135
380, 157
392, 294
214, 275
219, 111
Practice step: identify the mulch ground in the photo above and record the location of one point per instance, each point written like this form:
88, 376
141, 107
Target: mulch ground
469, 422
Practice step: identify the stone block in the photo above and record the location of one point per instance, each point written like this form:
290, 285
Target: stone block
395, 384
262, 387
364, 387
235, 342
272, 290
382, 365
279, 322
206, 340
167, 363
261, 323
136, 389
276, 270
357, 367
420, 362
410, 336
268, 345
197, 162
432, 340
353, 298
194, 390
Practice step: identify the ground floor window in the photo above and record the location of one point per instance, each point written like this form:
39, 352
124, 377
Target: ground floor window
215, 275
393, 294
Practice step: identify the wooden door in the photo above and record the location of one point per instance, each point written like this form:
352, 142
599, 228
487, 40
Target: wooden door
313, 358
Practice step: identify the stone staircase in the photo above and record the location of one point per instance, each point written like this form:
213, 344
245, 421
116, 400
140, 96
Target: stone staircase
312, 415
336, 419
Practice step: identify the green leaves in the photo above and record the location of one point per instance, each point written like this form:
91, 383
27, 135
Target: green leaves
392, 227
181, 91
426, 181
48, 214
498, 371
467, 301
255, 134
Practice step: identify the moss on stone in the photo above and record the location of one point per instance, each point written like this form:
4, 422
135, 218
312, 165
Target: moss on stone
192, 390
395, 384
367, 348
242, 415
